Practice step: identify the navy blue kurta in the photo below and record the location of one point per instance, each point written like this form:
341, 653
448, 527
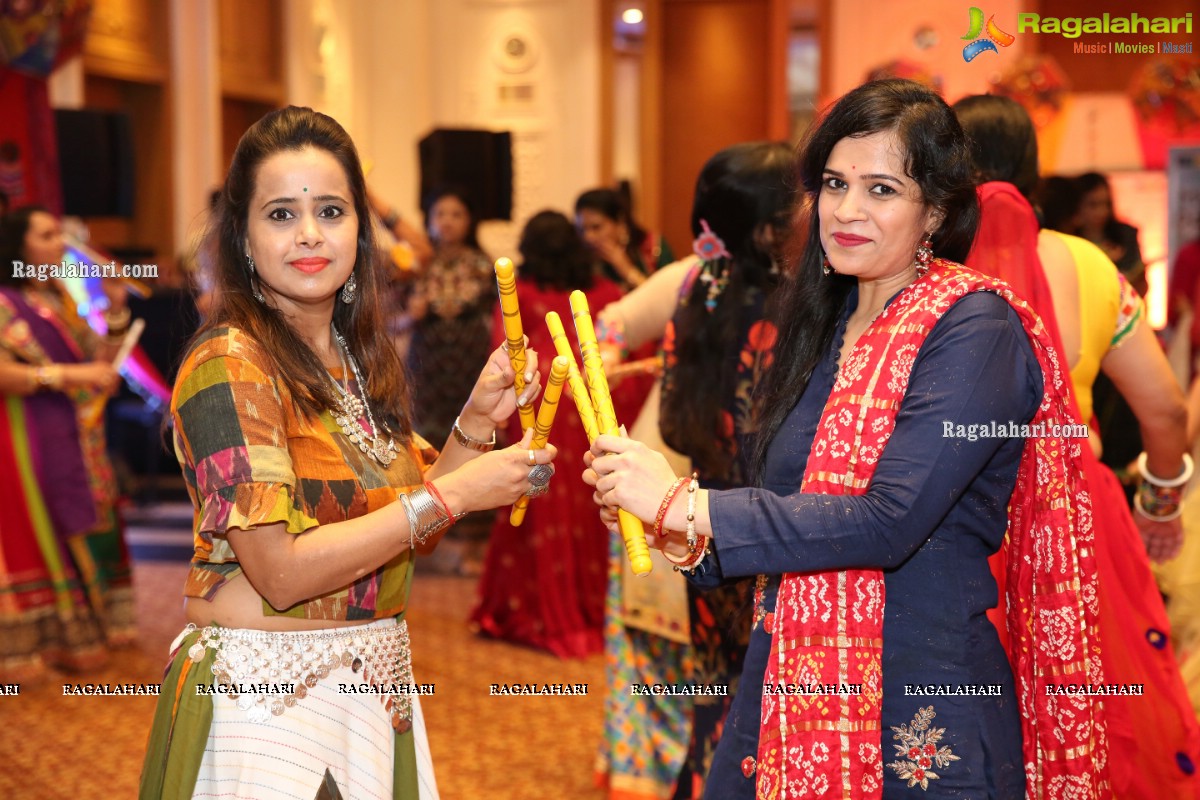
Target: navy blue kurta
935, 511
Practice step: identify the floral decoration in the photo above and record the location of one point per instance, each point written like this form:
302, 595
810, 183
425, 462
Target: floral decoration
920, 751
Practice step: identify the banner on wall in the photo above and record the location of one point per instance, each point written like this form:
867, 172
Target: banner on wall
28, 151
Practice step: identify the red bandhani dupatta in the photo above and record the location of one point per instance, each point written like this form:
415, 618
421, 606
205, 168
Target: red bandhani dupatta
1156, 732
829, 625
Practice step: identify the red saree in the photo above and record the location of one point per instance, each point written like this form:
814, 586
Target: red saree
829, 626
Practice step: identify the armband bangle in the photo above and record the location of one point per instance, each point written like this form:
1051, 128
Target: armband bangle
470, 442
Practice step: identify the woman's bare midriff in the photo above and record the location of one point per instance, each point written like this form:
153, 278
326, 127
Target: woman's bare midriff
237, 605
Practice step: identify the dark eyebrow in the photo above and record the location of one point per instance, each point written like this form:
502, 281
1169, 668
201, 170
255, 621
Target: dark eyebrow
868, 176
321, 199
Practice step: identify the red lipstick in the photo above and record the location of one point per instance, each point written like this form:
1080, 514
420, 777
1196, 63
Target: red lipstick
310, 265
849, 239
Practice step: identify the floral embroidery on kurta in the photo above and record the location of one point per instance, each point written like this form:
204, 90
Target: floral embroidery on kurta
920, 751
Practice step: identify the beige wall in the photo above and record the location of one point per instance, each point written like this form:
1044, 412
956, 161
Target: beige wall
372, 65
548, 98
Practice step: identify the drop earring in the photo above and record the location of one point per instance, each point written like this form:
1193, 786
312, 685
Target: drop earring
349, 289
826, 267
258, 295
924, 256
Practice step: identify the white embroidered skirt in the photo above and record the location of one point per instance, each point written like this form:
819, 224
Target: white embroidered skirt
329, 744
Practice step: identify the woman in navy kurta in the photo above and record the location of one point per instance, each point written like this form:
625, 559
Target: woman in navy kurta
920, 514
976, 366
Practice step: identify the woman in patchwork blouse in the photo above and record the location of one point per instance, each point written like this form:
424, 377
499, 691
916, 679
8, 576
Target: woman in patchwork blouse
312, 493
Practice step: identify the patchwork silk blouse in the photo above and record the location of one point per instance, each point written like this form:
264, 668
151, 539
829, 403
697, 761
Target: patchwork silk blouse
250, 458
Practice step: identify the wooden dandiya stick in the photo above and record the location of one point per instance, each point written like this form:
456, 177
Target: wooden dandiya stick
96, 413
514, 334
643, 366
541, 429
579, 390
630, 526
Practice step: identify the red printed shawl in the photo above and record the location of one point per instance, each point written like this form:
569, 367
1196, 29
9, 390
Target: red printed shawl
829, 625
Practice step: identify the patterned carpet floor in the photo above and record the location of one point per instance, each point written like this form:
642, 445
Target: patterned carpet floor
86, 748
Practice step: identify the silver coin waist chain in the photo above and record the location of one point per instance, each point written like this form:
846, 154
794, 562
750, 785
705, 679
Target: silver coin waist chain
280, 667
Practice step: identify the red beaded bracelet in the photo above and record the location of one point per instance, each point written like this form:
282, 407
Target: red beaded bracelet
659, 530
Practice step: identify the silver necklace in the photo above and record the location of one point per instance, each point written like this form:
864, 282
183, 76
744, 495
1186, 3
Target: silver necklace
350, 411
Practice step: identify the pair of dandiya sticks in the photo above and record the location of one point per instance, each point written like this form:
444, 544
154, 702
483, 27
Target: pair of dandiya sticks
592, 399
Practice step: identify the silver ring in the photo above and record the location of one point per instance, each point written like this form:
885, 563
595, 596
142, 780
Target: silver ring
539, 480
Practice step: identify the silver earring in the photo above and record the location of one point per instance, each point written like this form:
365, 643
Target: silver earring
826, 267
258, 295
349, 289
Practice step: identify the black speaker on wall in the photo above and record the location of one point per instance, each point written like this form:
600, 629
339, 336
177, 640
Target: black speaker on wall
478, 162
95, 156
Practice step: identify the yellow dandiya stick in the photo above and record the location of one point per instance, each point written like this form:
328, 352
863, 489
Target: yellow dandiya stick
541, 429
579, 390
606, 419
514, 334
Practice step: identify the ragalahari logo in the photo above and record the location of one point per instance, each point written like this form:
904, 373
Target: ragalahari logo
994, 36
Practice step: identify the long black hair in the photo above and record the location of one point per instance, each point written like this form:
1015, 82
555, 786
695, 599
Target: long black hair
745, 195
296, 365
807, 306
1003, 140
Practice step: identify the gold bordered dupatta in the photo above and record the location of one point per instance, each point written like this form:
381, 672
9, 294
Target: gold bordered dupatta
829, 625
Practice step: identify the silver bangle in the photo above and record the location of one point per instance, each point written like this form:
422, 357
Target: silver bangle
430, 517
470, 442
412, 519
